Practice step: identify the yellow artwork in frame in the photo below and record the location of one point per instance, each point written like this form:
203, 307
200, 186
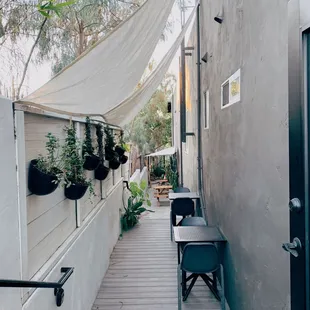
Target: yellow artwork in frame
235, 87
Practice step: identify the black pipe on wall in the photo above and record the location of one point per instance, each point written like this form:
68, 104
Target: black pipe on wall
199, 148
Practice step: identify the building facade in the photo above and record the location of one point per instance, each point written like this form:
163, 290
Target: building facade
241, 113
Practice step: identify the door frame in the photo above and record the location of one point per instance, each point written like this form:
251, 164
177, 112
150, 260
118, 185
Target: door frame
298, 77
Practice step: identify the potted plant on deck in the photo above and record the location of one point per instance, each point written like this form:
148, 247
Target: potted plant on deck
101, 171
44, 171
110, 154
91, 160
138, 198
73, 176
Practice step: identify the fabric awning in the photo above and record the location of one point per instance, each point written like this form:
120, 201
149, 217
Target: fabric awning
123, 113
108, 73
165, 152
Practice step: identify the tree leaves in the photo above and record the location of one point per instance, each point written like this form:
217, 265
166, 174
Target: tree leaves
46, 7
151, 129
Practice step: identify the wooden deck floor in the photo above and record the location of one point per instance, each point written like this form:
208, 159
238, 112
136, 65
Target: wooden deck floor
142, 272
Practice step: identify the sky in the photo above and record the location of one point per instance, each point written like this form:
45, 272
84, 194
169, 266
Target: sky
39, 75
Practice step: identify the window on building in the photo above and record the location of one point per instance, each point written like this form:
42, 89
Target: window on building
206, 107
230, 90
225, 94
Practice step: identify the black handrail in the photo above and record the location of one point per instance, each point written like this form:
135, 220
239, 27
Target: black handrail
57, 286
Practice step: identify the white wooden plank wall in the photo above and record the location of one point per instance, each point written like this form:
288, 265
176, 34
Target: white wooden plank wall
107, 184
117, 174
51, 218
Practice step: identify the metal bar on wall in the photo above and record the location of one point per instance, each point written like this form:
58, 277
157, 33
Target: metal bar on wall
182, 96
199, 163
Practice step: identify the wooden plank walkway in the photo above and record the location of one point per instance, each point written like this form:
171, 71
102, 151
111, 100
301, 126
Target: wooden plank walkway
142, 271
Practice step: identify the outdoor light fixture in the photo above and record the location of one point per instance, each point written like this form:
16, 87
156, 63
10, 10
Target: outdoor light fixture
219, 17
189, 48
205, 57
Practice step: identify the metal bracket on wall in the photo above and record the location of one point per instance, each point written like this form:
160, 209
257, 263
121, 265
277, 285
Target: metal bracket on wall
57, 286
189, 48
190, 134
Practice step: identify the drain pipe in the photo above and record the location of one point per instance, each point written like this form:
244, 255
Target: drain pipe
182, 99
199, 161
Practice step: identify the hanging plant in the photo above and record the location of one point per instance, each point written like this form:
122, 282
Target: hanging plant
91, 160
110, 154
123, 159
44, 171
101, 171
122, 147
73, 176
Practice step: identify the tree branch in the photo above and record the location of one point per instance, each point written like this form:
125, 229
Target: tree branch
29, 57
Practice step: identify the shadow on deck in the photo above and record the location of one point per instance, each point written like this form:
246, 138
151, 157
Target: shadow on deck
143, 269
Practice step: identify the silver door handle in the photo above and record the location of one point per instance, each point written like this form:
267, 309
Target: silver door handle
293, 248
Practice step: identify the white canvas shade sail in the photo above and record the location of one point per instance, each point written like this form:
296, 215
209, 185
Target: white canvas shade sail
165, 152
129, 108
106, 74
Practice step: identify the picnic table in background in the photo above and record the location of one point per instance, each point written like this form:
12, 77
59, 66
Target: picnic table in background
162, 182
161, 191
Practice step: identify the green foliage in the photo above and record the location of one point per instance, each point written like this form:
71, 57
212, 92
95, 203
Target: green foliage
139, 197
79, 27
45, 7
72, 161
109, 138
87, 145
99, 134
151, 128
49, 164
158, 170
125, 146
172, 172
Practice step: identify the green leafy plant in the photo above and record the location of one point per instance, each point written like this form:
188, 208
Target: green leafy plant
110, 154
158, 170
49, 164
122, 143
88, 145
172, 172
72, 161
136, 202
109, 138
99, 134
45, 7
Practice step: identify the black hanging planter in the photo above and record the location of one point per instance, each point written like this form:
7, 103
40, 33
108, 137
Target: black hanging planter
40, 183
91, 162
101, 172
114, 163
119, 150
110, 154
75, 191
123, 159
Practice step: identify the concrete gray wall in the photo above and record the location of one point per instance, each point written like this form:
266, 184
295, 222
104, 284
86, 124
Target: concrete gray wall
245, 149
190, 152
